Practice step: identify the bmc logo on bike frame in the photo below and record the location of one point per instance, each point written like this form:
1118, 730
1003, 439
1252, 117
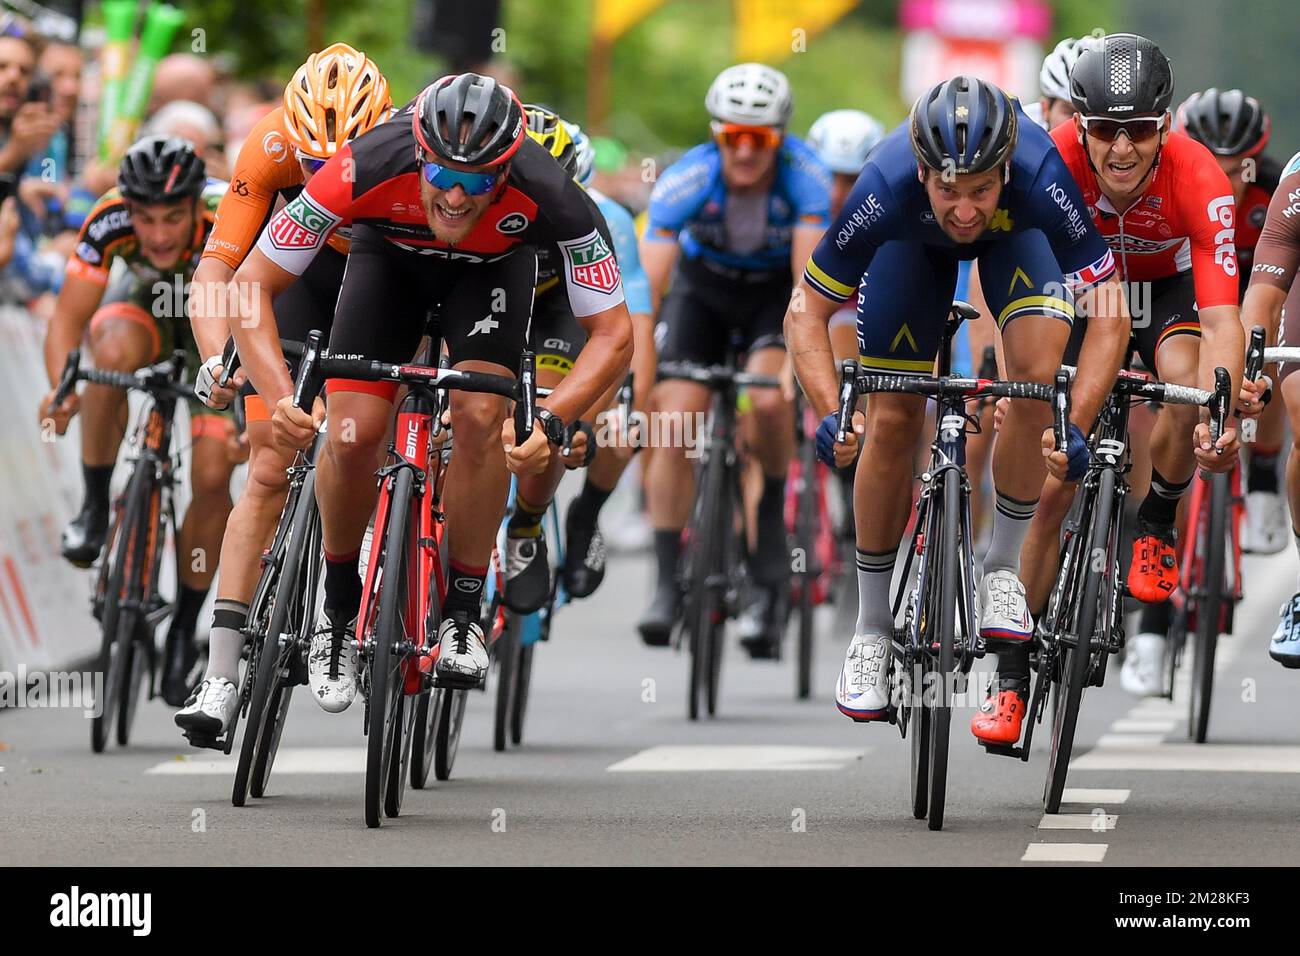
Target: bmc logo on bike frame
412, 438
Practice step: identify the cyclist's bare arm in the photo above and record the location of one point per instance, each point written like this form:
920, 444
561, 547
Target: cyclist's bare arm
77, 302
1102, 354
210, 288
1263, 306
601, 364
1223, 344
657, 259
252, 323
808, 340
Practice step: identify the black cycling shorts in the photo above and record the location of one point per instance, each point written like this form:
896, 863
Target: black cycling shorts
1166, 307
703, 307
557, 335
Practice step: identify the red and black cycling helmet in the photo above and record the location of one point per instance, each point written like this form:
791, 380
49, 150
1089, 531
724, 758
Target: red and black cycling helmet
1228, 122
1121, 75
469, 118
161, 169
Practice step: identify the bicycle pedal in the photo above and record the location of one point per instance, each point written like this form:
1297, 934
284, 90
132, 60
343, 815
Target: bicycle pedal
457, 683
1005, 750
206, 741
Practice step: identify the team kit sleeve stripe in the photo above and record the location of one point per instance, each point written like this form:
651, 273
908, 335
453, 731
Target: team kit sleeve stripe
1036, 305
896, 365
825, 283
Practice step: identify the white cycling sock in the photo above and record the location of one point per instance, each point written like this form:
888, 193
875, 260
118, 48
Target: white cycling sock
875, 573
1010, 525
225, 640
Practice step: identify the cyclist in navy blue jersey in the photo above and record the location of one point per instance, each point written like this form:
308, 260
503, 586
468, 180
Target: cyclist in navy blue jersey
967, 177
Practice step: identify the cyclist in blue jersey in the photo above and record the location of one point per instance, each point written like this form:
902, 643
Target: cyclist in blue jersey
967, 177
732, 222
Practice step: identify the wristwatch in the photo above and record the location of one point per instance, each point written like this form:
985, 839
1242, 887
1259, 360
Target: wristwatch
552, 426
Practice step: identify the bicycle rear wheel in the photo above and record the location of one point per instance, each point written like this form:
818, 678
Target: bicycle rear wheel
133, 672
523, 680
450, 707
1073, 661
389, 646
1209, 606
703, 604
506, 649
805, 532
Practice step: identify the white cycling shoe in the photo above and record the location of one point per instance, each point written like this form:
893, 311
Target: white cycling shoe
462, 655
1003, 612
862, 692
332, 664
1143, 673
1266, 529
209, 709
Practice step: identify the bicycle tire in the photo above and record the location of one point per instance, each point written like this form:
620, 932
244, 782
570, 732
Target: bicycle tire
941, 711
137, 664
507, 658
805, 538
267, 653
1068, 695
451, 717
1209, 607
384, 717
523, 680
699, 601
919, 726
303, 586
101, 725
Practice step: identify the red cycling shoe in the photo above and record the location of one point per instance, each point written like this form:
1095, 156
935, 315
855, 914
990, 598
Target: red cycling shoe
1154, 573
1000, 717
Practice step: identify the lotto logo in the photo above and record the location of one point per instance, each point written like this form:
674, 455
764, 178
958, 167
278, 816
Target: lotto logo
1221, 210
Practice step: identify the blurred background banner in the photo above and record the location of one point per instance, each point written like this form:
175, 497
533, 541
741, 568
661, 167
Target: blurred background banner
769, 31
616, 17
996, 40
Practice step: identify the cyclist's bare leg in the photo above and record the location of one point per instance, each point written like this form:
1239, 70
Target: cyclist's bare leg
205, 519
118, 345
670, 480
1290, 389
477, 480
1171, 436
538, 490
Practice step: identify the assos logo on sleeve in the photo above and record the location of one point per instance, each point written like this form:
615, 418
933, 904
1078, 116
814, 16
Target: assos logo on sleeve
1225, 252
591, 264
301, 224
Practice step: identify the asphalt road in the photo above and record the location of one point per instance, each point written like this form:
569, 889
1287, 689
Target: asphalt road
612, 772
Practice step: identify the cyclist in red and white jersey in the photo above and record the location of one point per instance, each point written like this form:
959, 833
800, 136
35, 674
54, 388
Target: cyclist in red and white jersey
447, 203
1167, 211
1235, 128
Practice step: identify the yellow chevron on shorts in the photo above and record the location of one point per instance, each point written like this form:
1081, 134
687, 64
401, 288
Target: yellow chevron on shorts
1019, 274
903, 333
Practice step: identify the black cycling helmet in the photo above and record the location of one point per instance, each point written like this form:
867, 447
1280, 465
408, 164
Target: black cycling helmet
1121, 75
468, 118
1227, 121
965, 125
161, 169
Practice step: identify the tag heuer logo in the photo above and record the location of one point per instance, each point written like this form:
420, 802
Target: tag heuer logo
593, 266
300, 224
513, 223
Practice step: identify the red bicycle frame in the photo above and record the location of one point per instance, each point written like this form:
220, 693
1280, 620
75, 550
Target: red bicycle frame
1192, 559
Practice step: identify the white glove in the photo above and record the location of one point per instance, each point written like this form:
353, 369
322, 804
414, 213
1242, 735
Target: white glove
207, 381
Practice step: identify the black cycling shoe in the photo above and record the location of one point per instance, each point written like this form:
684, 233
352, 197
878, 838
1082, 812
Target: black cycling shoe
656, 625
84, 536
179, 656
528, 574
584, 557
759, 633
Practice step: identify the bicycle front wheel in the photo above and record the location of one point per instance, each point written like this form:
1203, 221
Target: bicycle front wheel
1209, 606
939, 667
1073, 663
507, 649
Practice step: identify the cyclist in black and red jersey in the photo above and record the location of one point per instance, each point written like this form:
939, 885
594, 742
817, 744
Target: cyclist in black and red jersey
447, 203
1235, 128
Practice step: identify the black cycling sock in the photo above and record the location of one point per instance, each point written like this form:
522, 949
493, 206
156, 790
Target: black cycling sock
586, 507
188, 603
1160, 506
526, 522
343, 584
1155, 618
464, 588
668, 546
1013, 663
97, 479
1263, 470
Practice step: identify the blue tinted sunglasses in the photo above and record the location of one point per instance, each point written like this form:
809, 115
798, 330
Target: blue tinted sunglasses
474, 184
311, 162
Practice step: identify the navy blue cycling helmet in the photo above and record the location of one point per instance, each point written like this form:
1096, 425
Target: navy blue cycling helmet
963, 125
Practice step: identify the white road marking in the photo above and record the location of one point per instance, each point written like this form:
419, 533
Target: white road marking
1126, 741
1134, 725
1096, 822
711, 758
297, 760
1065, 853
1093, 796
1226, 758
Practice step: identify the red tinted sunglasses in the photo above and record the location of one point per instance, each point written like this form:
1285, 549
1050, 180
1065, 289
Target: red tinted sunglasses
1107, 130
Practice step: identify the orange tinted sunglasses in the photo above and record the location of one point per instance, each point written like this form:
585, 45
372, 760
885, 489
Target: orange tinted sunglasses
732, 135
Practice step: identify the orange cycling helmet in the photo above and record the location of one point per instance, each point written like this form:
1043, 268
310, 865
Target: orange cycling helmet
333, 98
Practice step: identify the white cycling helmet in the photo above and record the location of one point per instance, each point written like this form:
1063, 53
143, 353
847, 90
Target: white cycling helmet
750, 93
585, 158
842, 138
1054, 78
